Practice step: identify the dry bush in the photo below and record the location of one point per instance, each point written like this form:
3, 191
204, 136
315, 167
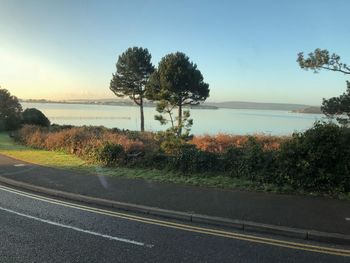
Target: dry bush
221, 142
78, 140
31, 135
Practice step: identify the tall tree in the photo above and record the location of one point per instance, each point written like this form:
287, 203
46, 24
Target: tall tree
10, 111
338, 107
178, 82
134, 68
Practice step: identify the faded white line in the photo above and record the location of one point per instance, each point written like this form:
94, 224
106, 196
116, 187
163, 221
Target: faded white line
26, 168
78, 229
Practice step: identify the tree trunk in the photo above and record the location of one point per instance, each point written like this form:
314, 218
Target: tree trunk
180, 120
142, 118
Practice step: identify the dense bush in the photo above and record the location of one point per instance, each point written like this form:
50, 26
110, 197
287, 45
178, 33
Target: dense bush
189, 159
35, 117
252, 161
169, 142
31, 135
156, 160
318, 159
111, 154
56, 127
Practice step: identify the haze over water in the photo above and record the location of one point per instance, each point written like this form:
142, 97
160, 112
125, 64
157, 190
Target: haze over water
232, 121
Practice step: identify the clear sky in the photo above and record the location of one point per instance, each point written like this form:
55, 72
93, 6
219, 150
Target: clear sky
246, 50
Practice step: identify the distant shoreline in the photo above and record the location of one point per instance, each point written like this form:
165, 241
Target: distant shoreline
309, 110
121, 103
296, 108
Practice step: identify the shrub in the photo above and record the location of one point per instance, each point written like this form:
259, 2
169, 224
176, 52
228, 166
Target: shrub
191, 160
233, 162
57, 127
35, 117
31, 135
169, 142
318, 159
251, 161
82, 141
111, 154
221, 142
156, 160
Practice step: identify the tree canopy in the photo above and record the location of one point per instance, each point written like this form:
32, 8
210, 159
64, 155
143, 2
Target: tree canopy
338, 107
10, 111
178, 82
133, 70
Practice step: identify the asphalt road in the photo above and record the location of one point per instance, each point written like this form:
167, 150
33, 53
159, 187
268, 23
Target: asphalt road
303, 212
41, 229
296, 211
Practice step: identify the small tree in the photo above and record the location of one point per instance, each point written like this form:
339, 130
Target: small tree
338, 107
35, 117
165, 108
133, 70
10, 111
177, 82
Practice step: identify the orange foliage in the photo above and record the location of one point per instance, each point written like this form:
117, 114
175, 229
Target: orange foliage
222, 142
77, 140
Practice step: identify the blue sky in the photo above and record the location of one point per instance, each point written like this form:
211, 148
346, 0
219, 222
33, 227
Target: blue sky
246, 50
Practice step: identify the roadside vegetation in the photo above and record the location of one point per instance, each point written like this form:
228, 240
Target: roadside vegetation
299, 163
66, 161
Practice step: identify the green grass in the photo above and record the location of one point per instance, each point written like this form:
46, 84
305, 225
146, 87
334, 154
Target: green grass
47, 158
66, 161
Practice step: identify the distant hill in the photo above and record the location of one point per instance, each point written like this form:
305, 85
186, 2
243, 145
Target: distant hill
257, 105
301, 108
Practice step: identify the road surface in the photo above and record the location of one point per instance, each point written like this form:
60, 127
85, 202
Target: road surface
36, 228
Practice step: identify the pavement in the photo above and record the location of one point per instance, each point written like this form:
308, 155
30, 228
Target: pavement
300, 212
41, 229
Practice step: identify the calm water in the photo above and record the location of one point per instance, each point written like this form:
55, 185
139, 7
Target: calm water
205, 121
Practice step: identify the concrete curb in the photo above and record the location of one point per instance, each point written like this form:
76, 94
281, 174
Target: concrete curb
246, 226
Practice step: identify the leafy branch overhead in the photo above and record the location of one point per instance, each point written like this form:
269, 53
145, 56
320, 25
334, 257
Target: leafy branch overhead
336, 107
321, 59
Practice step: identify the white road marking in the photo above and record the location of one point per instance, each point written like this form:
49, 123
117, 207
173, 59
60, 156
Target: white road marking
77, 229
19, 165
347, 218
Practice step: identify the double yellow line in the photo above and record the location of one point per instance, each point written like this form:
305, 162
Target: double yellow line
186, 227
